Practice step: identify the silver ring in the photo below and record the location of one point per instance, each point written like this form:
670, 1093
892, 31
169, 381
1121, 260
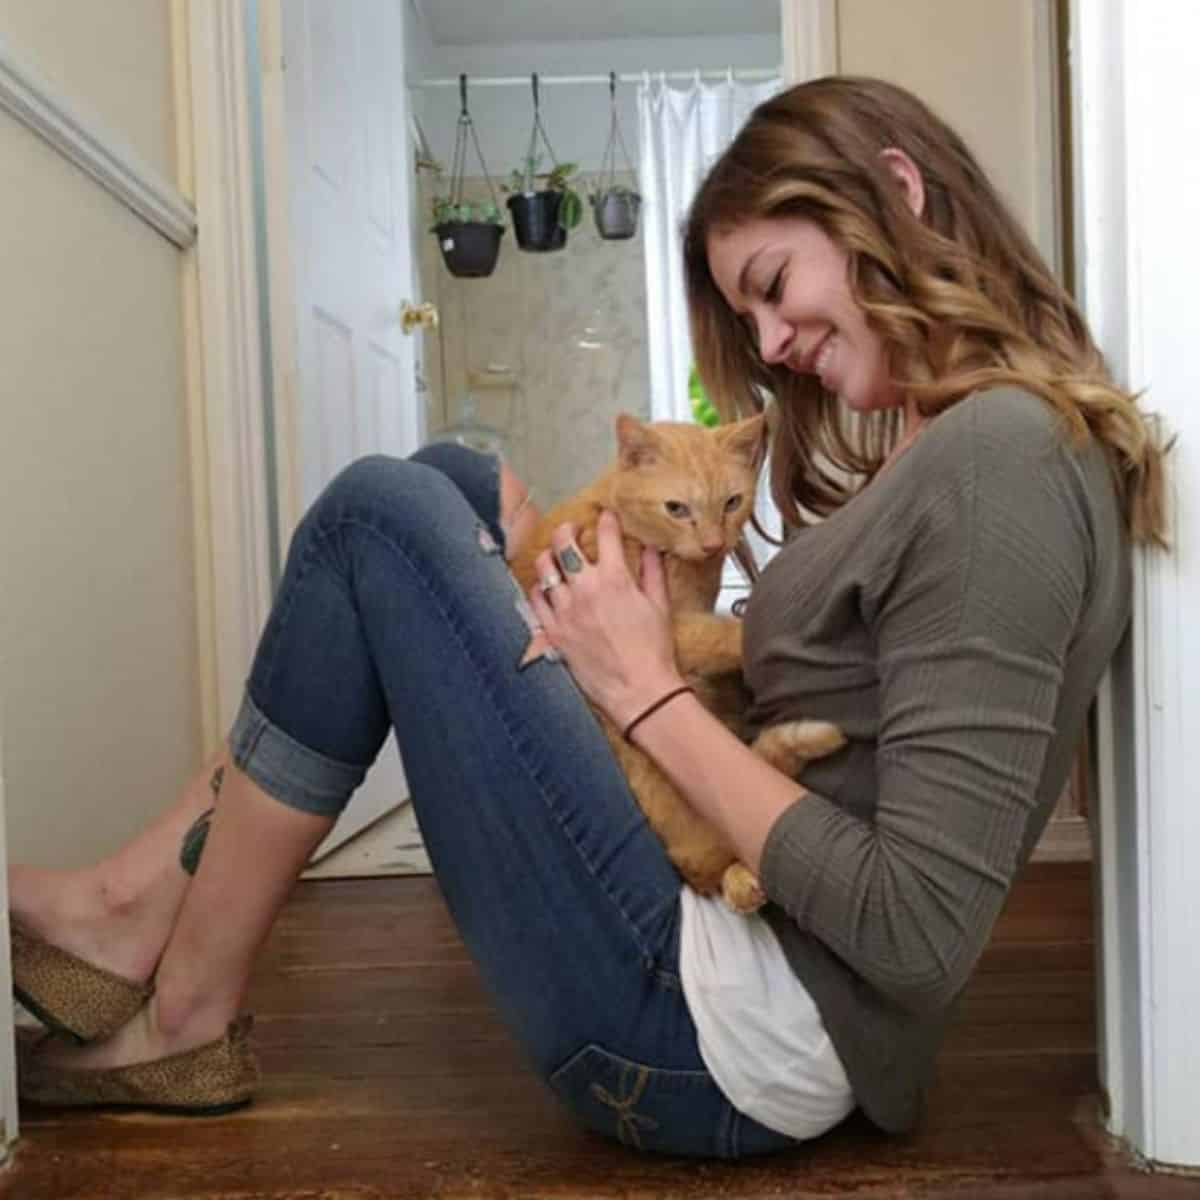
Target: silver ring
549, 582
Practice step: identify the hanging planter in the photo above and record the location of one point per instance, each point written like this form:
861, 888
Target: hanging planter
614, 206
468, 233
542, 216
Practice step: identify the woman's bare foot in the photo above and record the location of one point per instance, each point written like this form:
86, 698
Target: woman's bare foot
75, 912
115, 914
142, 1039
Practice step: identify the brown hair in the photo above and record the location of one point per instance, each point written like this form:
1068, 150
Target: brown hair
959, 295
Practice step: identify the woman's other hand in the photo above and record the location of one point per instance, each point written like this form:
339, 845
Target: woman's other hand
614, 631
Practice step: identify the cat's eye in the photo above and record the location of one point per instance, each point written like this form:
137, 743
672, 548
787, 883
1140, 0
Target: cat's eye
678, 509
733, 503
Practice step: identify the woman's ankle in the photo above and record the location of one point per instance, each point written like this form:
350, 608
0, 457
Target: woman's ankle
185, 1017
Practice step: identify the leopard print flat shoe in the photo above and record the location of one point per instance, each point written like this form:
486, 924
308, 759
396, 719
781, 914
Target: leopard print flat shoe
68, 994
211, 1079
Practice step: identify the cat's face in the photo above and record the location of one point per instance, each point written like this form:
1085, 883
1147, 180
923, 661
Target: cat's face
685, 489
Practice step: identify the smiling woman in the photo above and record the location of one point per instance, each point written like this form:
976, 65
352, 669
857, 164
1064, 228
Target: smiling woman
789, 282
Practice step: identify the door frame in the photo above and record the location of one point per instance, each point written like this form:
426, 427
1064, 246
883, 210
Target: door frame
225, 347
1134, 71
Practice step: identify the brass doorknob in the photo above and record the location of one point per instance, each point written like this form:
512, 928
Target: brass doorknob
423, 316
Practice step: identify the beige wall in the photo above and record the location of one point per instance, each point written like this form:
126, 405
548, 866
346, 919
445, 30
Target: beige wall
983, 67
98, 670
113, 58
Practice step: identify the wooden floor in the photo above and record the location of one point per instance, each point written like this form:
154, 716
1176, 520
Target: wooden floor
388, 1076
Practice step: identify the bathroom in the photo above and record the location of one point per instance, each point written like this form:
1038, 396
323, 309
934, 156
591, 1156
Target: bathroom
537, 358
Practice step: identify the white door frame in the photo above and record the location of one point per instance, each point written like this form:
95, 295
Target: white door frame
1137, 177
230, 459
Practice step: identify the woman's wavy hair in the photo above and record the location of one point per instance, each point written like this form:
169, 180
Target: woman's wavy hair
958, 294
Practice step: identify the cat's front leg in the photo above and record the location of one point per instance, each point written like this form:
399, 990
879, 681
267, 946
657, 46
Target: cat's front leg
741, 890
790, 744
787, 747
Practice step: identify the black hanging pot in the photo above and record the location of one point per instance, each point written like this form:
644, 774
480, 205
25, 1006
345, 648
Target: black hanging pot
616, 212
469, 248
535, 220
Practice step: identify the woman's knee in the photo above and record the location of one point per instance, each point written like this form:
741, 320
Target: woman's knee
381, 482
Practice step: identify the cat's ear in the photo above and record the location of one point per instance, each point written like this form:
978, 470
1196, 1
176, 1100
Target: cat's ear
636, 445
746, 439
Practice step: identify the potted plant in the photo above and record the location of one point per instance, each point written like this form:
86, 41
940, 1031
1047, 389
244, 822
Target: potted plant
615, 206
616, 209
542, 215
468, 232
468, 236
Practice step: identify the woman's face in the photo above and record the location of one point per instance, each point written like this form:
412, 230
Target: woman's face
787, 278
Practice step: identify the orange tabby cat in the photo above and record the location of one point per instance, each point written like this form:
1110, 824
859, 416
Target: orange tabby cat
688, 491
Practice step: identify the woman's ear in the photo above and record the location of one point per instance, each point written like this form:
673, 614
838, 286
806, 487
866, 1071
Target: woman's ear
908, 175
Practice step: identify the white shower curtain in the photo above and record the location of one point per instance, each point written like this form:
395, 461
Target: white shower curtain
682, 132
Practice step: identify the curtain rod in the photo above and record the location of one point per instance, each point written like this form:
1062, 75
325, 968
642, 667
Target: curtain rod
628, 77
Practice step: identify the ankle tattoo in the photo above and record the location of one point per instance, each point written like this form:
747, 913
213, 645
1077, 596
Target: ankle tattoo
197, 834
193, 842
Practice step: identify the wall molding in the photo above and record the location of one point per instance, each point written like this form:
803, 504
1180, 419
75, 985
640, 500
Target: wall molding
39, 107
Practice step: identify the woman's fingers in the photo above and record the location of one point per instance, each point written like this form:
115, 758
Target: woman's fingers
610, 545
654, 579
550, 581
567, 554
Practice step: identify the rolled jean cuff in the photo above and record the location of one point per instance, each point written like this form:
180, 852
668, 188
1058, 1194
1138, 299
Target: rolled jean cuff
287, 771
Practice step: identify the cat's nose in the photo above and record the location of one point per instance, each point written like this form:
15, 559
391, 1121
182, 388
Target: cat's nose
709, 546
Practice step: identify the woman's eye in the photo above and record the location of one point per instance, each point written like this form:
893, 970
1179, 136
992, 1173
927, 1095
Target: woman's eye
676, 509
733, 503
772, 294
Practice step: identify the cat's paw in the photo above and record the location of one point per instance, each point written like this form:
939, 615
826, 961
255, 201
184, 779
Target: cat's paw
790, 744
741, 890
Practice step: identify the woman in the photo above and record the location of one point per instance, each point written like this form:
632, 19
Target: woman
939, 402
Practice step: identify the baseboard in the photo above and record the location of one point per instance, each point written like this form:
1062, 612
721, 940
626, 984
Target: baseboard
390, 846
1067, 839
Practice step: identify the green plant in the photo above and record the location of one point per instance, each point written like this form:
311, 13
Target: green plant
558, 179
702, 407
484, 211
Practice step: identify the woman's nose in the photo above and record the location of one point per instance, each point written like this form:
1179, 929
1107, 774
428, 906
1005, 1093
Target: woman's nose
775, 337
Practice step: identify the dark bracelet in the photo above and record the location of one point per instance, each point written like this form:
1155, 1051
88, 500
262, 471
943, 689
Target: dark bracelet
654, 708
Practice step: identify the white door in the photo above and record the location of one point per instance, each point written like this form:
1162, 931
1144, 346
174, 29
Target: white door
336, 145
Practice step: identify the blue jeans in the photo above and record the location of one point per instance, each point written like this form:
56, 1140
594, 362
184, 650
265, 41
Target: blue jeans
396, 609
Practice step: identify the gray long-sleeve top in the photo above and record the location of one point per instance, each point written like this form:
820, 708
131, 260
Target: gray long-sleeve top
955, 619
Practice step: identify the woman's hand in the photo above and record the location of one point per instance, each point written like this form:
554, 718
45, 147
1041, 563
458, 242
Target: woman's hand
614, 633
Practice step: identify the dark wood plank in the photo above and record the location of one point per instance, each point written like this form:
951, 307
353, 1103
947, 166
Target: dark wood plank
388, 1075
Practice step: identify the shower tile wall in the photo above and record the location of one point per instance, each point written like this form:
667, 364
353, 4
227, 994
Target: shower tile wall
569, 326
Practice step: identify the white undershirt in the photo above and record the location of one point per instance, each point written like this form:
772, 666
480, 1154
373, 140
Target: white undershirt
761, 1036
